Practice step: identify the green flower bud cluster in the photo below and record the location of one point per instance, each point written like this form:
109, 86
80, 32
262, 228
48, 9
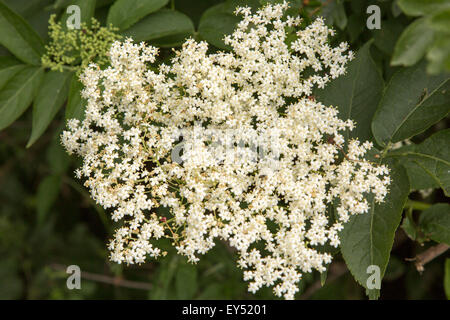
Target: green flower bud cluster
74, 49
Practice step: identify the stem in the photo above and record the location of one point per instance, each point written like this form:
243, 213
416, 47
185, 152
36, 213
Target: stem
416, 205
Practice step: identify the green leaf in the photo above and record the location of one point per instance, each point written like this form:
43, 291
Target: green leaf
75, 103
441, 21
9, 67
124, 13
186, 281
19, 38
356, 94
432, 156
412, 102
435, 222
439, 55
447, 278
215, 23
422, 7
46, 195
334, 13
367, 238
386, 37
18, 94
87, 8
413, 43
49, 100
410, 228
162, 24
164, 279
418, 178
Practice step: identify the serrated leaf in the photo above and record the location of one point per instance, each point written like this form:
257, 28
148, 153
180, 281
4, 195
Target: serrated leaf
422, 7
18, 94
432, 156
356, 94
19, 38
412, 102
367, 239
75, 103
124, 13
162, 24
48, 101
413, 43
186, 281
435, 223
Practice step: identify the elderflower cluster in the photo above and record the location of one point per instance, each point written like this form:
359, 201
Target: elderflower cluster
274, 207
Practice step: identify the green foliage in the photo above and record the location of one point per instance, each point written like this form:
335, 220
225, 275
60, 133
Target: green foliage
432, 157
48, 101
165, 28
411, 103
357, 93
426, 35
18, 37
17, 94
435, 223
396, 88
124, 13
367, 239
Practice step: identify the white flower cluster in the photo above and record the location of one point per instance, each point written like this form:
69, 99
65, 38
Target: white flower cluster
275, 210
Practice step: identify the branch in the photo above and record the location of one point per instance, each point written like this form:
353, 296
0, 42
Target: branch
422, 259
115, 281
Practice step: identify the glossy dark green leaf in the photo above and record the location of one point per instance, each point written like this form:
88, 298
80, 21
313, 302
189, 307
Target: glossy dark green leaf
367, 239
160, 25
124, 13
75, 103
435, 223
17, 95
413, 43
19, 38
49, 99
412, 102
356, 94
432, 156
422, 7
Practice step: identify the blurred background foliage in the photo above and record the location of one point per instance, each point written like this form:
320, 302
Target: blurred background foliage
48, 221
